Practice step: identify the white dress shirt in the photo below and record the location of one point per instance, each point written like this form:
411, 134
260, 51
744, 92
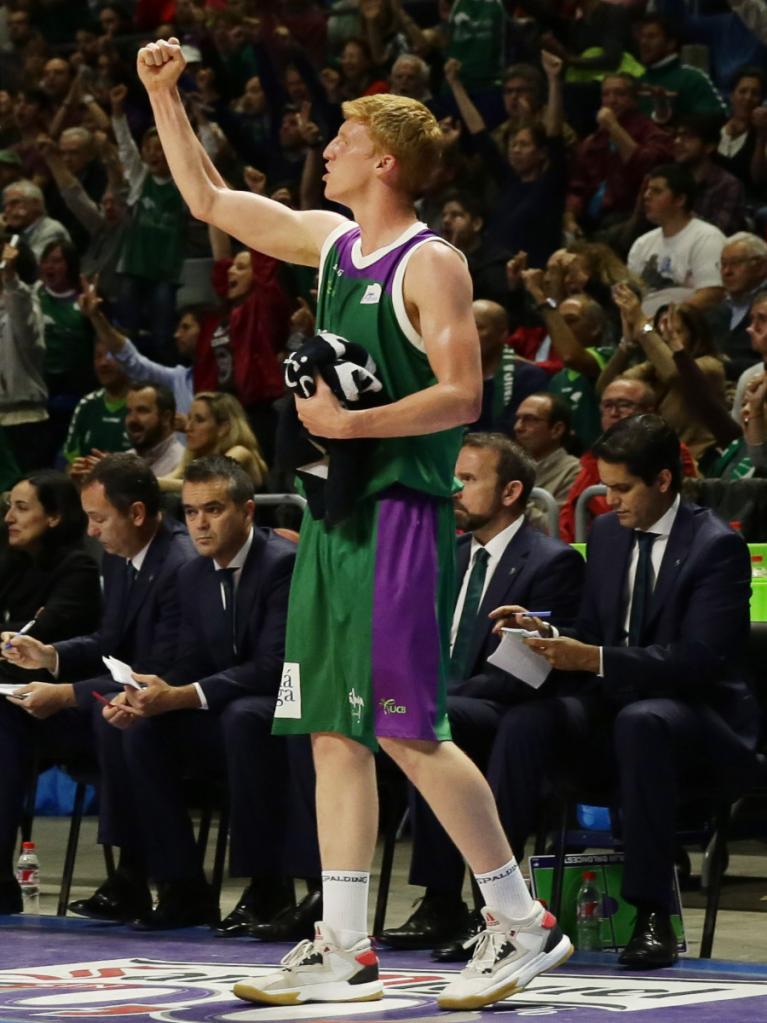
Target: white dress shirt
495, 549
663, 529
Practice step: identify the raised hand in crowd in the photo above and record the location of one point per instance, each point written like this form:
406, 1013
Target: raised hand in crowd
330, 79
89, 300
117, 96
514, 270
8, 259
302, 320
534, 282
552, 64
630, 308
452, 71
27, 652
556, 272
673, 330
255, 180
81, 466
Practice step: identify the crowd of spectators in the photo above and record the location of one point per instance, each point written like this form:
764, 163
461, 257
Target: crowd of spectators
603, 173
587, 145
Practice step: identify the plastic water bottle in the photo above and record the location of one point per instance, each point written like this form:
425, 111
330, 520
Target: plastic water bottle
28, 876
588, 914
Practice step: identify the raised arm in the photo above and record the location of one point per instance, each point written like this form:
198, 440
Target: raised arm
260, 223
446, 324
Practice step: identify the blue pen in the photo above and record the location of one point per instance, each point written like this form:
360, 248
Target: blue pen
538, 614
22, 631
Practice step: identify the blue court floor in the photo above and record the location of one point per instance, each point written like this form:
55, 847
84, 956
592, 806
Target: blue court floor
59, 970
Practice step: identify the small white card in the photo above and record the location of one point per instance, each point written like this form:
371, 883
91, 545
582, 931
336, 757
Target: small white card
121, 672
289, 695
519, 660
8, 688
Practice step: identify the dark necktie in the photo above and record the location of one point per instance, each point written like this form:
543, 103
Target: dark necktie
459, 656
131, 574
642, 592
226, 577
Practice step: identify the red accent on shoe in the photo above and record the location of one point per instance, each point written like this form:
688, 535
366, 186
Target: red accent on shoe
548, 921
368, 958
490, 918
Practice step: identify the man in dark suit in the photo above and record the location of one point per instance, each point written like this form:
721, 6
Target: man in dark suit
209, 716
143, 554
501, 560
661, 630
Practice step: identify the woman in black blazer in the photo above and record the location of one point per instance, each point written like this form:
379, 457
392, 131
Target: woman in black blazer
45, 573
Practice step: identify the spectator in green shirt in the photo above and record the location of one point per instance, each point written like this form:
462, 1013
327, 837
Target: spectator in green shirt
98, 422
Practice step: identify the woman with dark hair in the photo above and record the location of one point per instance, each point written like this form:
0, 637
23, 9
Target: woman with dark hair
68, 339
530, 201
741, 149
674, 328
46, 576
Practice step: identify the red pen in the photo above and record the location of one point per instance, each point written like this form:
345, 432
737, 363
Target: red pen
114, 706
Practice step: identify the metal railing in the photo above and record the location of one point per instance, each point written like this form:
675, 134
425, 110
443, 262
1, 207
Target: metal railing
582, 510
552, 508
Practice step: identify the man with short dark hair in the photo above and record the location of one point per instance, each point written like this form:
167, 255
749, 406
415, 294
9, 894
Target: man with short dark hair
507, 557
611, 162
541, 427
661, 629
720, 197
463, 225
209, 713
150, 423
143, 553
670, 89
678, 261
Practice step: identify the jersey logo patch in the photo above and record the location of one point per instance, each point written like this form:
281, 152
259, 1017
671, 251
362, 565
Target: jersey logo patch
372, 295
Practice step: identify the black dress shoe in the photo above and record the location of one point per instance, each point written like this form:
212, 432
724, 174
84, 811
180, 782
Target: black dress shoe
180, 904
437, 919
653, 943
259, 903
454, 951
10, 897
292, 924
116, 901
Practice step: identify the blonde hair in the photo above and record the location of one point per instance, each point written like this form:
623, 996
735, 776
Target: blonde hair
403, 128
225, 408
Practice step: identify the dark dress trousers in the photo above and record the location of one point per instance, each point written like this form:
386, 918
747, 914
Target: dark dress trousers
536, 572
144, 766
673, 712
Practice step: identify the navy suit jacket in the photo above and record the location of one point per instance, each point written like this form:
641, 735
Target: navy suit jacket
140, 627
536, 572
698, 624
205, 653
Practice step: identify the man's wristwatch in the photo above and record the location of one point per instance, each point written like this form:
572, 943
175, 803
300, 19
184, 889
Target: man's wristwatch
547, 303
648, 327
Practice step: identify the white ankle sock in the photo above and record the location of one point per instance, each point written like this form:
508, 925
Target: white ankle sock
345, 903
504, 889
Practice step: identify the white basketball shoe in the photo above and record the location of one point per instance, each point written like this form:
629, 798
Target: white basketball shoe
318, 971
508, 955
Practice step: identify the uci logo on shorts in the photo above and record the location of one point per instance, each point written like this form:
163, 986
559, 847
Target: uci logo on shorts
392, 707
